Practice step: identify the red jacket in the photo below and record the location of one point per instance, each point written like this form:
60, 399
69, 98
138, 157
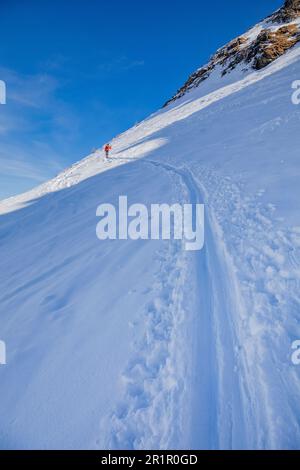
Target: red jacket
107, 148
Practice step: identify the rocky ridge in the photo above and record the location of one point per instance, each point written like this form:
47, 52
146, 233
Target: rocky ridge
256, 49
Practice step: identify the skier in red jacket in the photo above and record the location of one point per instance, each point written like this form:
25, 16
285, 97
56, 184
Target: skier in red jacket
107, 149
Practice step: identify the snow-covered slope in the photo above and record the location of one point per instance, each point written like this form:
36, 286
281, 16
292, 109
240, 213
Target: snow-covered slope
140, 344
254, 50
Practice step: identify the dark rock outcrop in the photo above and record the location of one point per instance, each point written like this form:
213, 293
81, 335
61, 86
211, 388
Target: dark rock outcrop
271, 45
268, 45
289, 12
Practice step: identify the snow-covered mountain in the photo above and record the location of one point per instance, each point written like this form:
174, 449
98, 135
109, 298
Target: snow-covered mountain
255, 49
140, 344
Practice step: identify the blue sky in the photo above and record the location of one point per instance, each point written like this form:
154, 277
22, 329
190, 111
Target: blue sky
80, 72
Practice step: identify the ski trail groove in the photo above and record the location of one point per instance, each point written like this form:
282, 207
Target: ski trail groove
154, 411
263, 258
222, 393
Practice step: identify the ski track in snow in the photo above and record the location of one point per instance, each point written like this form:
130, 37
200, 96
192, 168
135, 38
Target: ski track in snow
154, 380
265, 262
176, 112
246, 414
212, 368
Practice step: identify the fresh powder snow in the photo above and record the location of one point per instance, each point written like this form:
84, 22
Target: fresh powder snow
125, 344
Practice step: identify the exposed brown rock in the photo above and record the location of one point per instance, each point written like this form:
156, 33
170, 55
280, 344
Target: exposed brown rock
220, 58
289, 11
268, 46
264, 49
292, 4
271, 45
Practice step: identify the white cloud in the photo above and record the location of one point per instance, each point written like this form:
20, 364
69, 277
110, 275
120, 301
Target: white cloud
29, 90
24, 162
